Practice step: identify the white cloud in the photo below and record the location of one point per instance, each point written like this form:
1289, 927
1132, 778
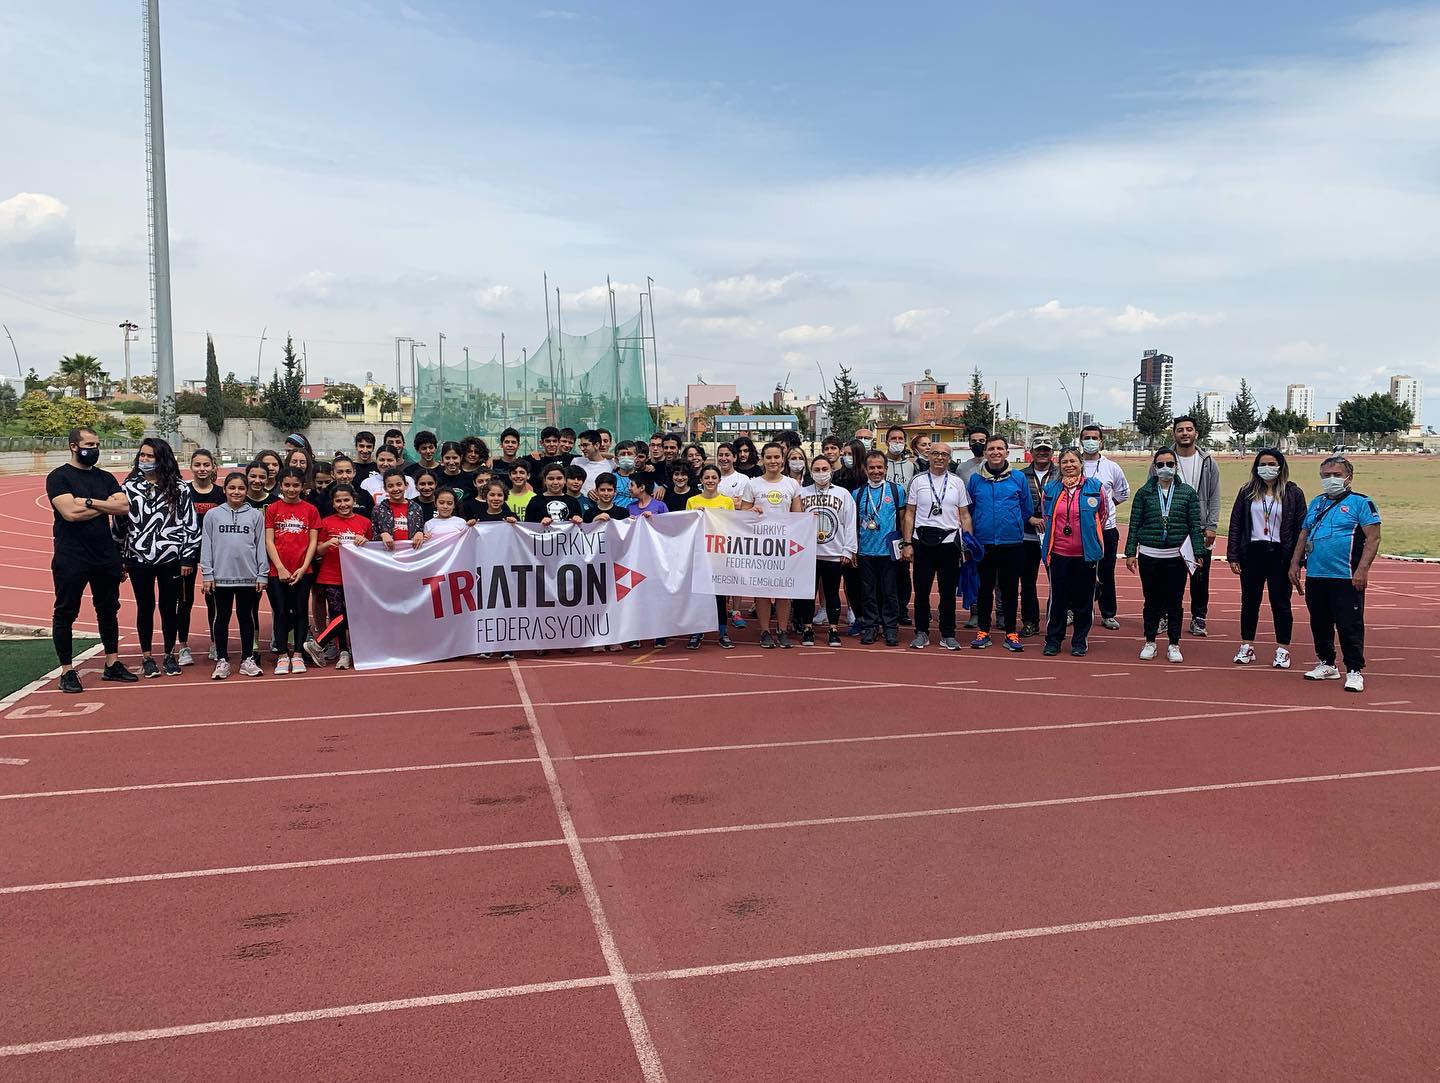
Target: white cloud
919, 322
731, 326
805, 332
317, 288
495, 298
36, 226
1088, 322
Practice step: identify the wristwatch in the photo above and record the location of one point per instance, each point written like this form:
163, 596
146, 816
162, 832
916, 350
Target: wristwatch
90, 503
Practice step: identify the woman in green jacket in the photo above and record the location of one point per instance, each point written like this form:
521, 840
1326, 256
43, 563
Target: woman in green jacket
1164, 513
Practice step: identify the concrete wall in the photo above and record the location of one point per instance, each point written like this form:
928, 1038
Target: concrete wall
240, 438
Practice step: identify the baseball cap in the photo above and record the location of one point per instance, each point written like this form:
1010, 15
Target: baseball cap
1042, 441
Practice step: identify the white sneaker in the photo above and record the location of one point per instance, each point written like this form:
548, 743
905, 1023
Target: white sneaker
1245, 655
251, 668
1282, 658
184, 657
297, 664
1147, 652
222, 670
282, 665
344, 661
1172, 654
1322, 672
210, 654
1354, 681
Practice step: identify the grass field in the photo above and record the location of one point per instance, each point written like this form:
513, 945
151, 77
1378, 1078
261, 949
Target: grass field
24, 660
1406, 489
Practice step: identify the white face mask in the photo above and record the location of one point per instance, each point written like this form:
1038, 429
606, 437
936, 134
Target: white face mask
1090, 447
1165, 472
627, 462
822, 477
797, 466
1333, 486
847, 461
1268, 473
896, 446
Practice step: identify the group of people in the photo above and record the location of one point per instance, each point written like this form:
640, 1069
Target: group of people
895, 523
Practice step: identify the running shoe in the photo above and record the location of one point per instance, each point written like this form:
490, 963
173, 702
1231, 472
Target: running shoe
736, 620
661, 643
507, 656
783, 639
70, 682
148, 668
920, 642
972, 621
726, 643
344, 661
1013, 644
282, 665
981, 641
694, 642
1282, 658
184, 657
1197, 628
892, 639
1172, 654
1323, 671
314, 651
1050, 650
767, 641
1079, 650
1110, 622
867, 637
856, 629
116, 671
833, 638
950, 643
1354, 681
807, 638
212, 654
170, 666
297, 664
1029, 630
251, 668
1147, 652
222, 670
1245, 655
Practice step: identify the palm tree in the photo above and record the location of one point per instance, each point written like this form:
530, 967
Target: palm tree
385, 401
84, 369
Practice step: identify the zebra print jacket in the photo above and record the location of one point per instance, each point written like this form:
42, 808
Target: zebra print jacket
154, 532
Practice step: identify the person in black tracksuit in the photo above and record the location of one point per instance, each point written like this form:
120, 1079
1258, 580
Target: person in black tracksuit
1264, 525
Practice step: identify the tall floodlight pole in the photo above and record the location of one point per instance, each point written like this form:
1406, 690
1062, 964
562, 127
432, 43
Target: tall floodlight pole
560, 335
504, 402
467, 387
442, 383
615, 348
525, 378
550, 351
654, 346
160, 327
127, 329
16, 352
414, 379
1082, 398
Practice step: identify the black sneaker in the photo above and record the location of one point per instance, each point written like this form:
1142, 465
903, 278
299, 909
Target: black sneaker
508, 656
172, 666
767, 641
634, 644
659, 643
70, 682
116, 671
1079, 650
807, 638
833, 639
784, 640
892, 639
1197, 628
726, 643
1028, 630
149, 668
694, 644
972, 622
866, 637
1050, 650
905, 621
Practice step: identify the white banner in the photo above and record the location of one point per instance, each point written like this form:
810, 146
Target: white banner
755, 556
500, 587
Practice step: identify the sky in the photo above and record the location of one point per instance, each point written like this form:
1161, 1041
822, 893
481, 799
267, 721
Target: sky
1035, 191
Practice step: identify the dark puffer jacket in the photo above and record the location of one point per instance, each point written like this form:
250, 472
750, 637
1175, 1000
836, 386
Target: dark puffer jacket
1146, 521
1292, 506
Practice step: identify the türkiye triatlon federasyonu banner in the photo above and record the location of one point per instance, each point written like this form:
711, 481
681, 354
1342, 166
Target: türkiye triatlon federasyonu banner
503, 587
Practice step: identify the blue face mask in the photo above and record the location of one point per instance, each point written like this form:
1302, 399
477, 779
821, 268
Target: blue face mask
1166, 472
147, 468
1332, 485
627, 462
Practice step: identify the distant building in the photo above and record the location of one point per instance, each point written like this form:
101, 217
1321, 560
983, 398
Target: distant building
1300, 399
1407, 389
700, 396
758, 426
1157, 373
1215, 407
1075, 420
928, 402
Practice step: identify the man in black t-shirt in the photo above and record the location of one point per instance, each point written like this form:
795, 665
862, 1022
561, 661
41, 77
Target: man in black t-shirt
84, 497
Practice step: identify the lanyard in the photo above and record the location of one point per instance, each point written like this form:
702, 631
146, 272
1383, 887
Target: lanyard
1070, 502
1267, 512
876, 500
1167, 497
939, 501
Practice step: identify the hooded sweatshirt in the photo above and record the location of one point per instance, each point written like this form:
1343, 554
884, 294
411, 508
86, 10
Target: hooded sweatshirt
232, 547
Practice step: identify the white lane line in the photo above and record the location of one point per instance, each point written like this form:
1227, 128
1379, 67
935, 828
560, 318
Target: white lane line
10, 761
1040, 931
721, 829
40, 682
645, 1051
258, 778
726, 694
1022, 680
278, 866
1391, 702
89, 1041
743, 966
1108, 675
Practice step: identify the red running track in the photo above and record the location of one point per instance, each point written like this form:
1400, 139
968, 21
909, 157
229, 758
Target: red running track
816, 864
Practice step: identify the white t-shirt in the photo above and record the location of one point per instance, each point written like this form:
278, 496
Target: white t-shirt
439, 528
733, 485
1265, 515
770, 497
947, 493
375, 486
1189, 468
592, 470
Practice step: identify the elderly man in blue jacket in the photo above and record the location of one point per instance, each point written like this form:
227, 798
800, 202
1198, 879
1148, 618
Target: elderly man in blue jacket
1000, 506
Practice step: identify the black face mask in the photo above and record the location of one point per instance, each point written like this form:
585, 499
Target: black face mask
977, 450
87, 456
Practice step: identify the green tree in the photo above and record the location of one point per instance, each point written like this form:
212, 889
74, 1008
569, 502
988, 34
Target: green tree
281, 398
1243, 415
1154, 419
214, 391
889, 416
134, 427
143, 385
979, 410
349, 398
9, 401
842, 406
1063, 435
736, 410
41, 416
78, 412
1375, 417
1203, 422
1282, 424
191, 402
34, 382
84, 369
386, 402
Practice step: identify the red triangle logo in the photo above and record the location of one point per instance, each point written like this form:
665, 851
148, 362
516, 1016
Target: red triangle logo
626, 580
796, 547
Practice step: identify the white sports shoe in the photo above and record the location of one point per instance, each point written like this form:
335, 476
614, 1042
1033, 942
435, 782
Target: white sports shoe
297, 664
1282, 658
1245, 655
222, 670
251, 668
210, 654
282, 665
344, 662
1354, 681
184, 657
1172, 654
1323, 672
1147, 652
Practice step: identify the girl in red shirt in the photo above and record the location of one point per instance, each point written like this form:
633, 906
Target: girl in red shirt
291, 527
336, 530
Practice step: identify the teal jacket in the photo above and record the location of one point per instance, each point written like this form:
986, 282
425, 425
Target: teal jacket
1147, 525
1092, 518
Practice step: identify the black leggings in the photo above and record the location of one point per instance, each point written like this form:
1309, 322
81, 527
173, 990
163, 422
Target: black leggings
146, 581
70, 583
999, 570
1163, 581
722, 611
1263, 566
829, 572
187, 603
290, 610
240, 598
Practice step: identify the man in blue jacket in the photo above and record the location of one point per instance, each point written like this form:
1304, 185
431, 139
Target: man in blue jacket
1000, 507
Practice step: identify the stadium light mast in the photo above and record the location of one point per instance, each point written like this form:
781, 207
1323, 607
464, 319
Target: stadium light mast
161, 334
